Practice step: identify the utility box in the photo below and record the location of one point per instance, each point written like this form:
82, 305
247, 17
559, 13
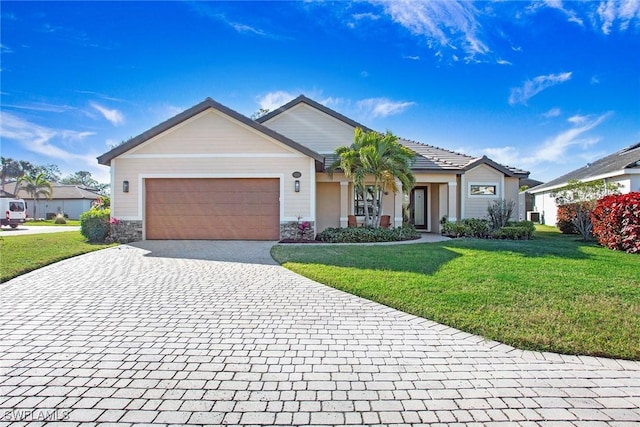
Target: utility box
533, 216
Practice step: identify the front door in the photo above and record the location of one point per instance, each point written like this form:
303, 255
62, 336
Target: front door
419, 207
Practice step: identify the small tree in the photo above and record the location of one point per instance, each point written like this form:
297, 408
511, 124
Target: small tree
37, 187
579, 198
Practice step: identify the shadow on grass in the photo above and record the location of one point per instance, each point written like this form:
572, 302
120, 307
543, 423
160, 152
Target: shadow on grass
428, 258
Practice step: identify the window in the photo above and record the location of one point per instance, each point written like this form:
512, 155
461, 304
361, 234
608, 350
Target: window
358, 207
483, 189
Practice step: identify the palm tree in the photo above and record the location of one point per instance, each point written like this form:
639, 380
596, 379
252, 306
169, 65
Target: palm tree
378, 156
36, 187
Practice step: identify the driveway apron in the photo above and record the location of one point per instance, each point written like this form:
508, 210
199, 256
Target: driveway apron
217, 333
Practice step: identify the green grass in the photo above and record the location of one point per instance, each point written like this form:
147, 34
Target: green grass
50, 222
21, 254
552, 293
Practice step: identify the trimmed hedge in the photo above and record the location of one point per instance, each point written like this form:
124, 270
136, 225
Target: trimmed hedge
368, 234
481, 228
94, 225
616, 222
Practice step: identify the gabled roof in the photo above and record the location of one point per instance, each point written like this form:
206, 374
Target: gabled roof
316, 105
429, 158
611, 165
66, 192
6, 194
106, 158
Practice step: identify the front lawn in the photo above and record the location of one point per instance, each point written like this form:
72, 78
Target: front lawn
50, 222
552, 293
21, 254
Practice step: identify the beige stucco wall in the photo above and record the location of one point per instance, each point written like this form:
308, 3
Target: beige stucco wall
312, 128
210, 132
213, 146
476, 206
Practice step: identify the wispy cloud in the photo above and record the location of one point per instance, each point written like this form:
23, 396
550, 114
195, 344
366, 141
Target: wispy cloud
503, 62
444, 24
412, 57
206, 10
536, 85
5, 49
559, 149
625, 12
41, 106
42, 140
273, 100
382, 107
572, 15
603, 15
114, 116
554, 112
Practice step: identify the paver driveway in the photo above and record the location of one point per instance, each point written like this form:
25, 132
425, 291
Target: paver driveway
216, 333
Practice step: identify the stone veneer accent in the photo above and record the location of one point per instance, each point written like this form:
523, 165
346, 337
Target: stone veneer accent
289, 230
126, 231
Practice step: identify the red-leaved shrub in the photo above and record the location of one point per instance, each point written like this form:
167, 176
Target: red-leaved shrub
566, 215
616, 222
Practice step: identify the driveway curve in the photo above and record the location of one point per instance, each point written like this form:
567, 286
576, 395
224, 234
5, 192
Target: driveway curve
216, 333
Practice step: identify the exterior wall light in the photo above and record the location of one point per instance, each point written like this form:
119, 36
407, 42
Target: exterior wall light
296, 185
125, 186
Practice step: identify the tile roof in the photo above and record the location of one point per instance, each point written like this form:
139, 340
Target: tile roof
627, 158
63, 191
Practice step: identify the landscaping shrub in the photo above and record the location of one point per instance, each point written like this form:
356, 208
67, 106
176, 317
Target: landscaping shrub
616, 222
368, 234
499, 213
469, 227
60, 219
566, 215
94, 224
479, 228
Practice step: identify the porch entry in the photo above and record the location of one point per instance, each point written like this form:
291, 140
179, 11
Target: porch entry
418, 212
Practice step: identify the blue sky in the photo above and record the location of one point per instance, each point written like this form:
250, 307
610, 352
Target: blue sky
544, 86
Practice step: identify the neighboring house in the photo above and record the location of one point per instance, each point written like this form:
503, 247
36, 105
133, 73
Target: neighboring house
6, 194
622, 167
212, 173
70, 200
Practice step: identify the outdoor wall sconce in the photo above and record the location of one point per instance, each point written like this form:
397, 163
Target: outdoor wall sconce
125, 186
296, 185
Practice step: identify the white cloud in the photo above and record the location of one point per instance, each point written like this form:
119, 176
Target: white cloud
627, 12
412, 57
368, 15
571, 14
533, 87
554, 112
503, 62
558, 149
40, 139
273, 100
595, 80
443, 23
114, 116
382, 107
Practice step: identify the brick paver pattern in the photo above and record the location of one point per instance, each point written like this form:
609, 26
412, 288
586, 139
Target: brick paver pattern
215, 333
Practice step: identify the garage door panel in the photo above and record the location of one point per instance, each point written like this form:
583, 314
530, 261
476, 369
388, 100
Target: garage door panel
212, 209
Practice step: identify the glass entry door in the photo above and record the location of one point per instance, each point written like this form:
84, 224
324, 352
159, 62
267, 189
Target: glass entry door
419, 204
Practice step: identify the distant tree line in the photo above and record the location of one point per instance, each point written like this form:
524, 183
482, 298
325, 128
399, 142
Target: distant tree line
23, 171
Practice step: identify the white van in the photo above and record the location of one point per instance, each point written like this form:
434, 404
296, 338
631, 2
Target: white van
13, 212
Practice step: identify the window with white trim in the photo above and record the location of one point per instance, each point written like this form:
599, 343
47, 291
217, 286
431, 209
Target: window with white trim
483, 189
